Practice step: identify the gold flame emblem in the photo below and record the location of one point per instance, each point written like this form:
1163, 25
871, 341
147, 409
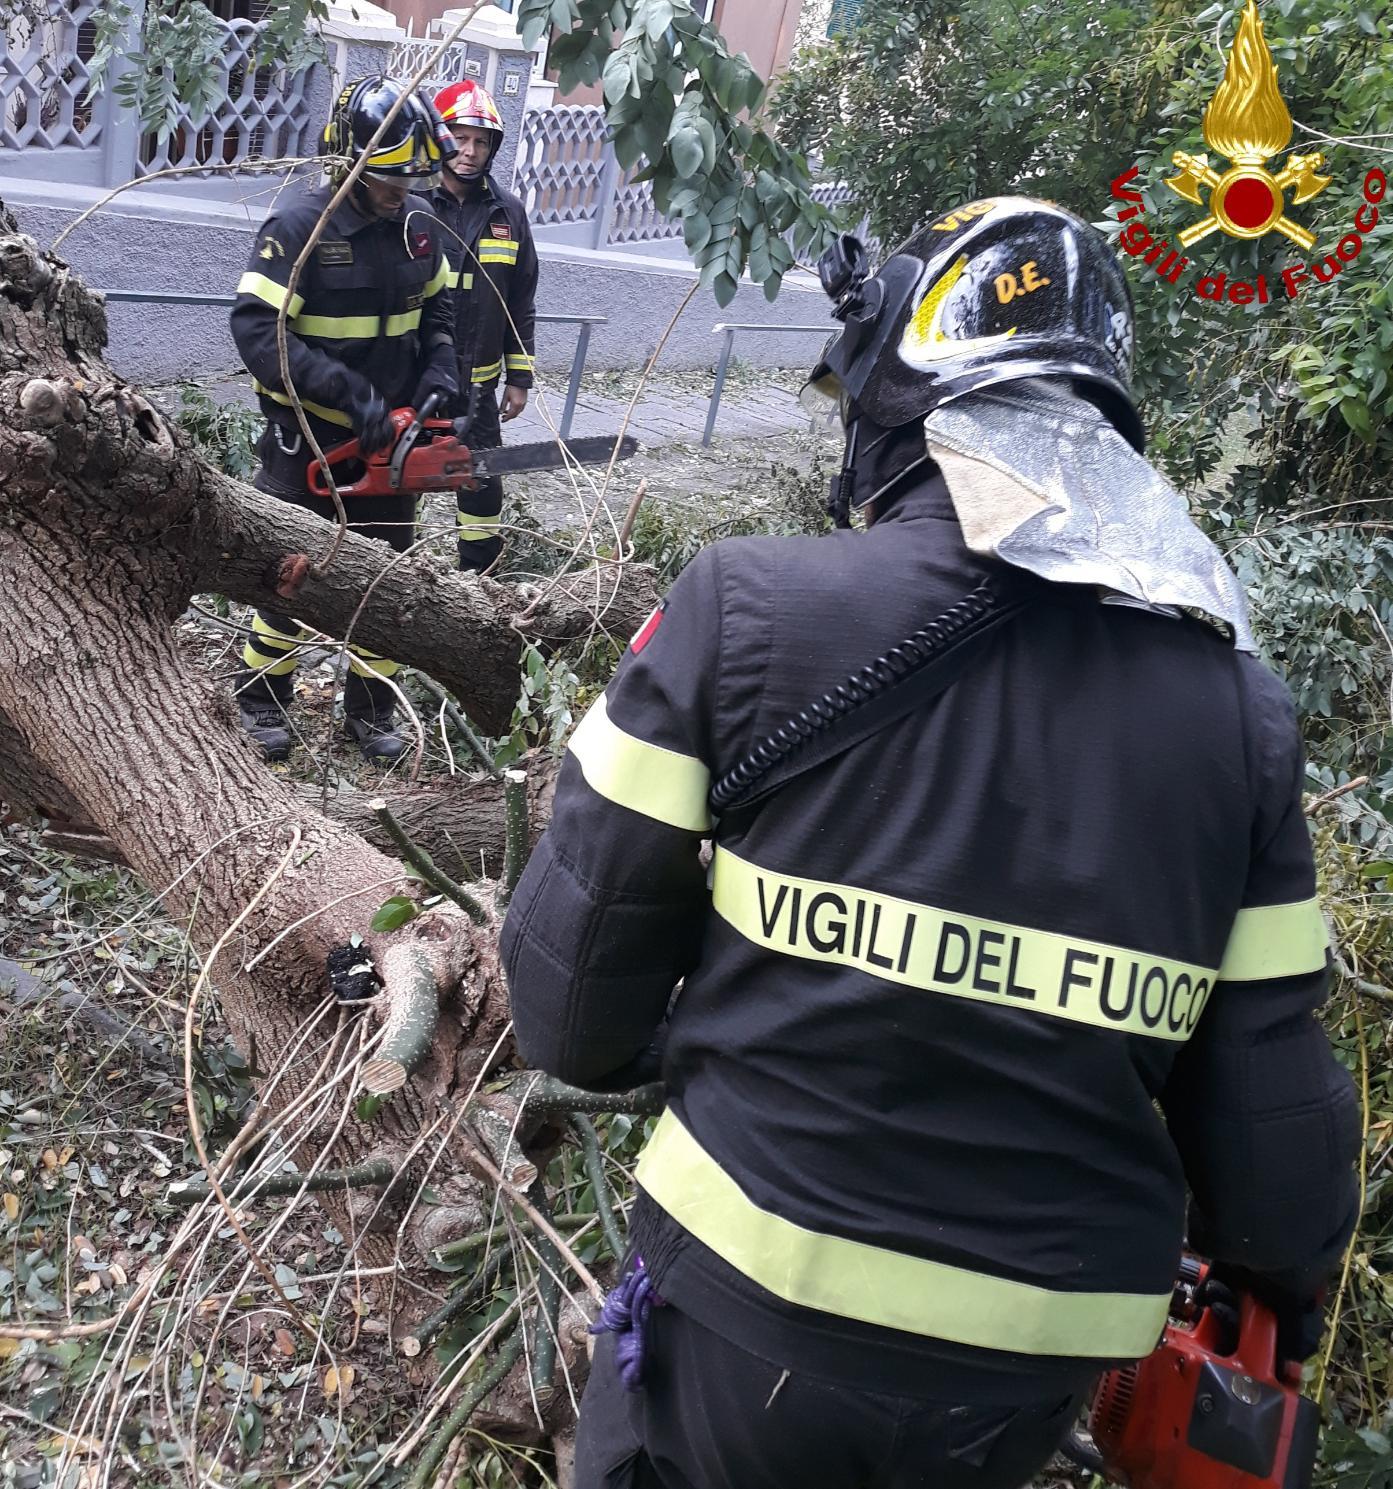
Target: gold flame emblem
1248, 123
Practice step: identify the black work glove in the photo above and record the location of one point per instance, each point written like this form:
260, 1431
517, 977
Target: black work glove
1300, 1319
441, 376
372, 420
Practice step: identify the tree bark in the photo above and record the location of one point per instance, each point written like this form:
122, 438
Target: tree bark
108, 525
460, 825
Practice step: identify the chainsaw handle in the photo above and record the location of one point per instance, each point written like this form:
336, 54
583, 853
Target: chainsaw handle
350, 452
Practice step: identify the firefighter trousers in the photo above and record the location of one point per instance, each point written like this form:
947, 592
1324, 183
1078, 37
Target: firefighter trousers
271, 653
709, 1415
479, 511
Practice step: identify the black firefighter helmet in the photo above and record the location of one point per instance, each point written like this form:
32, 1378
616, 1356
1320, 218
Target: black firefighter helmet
997, 290
415, 143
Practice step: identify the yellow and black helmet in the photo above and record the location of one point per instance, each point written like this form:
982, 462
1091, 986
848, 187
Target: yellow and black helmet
994, 291
415, 145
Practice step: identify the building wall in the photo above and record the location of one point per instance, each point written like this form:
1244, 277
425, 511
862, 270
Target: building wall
762, 29
147, 241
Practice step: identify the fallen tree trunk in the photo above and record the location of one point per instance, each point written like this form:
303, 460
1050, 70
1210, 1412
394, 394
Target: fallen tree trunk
108, 525
460, 825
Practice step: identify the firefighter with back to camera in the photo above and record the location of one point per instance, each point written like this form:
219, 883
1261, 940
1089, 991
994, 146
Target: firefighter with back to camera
1010, 935
370, 328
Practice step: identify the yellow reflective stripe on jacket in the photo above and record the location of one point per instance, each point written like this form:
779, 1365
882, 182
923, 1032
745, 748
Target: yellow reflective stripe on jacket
486, 374
518, 362
497, 251
474, 528
461, 279
354, 327
319, 410
659, 783
852, 1279
1276, 941
439, 280
940, 951
252, 283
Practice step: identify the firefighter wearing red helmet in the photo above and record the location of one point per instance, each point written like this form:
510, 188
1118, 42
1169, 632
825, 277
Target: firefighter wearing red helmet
494, 267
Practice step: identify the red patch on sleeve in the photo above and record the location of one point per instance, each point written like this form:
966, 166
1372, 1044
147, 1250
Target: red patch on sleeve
500, 230
420, 244
648, 629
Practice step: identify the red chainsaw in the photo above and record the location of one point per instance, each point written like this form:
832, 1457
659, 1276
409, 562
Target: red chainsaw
1203, 1411
429, 454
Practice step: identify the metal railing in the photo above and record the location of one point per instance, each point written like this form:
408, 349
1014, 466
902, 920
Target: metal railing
729, 330
587, 324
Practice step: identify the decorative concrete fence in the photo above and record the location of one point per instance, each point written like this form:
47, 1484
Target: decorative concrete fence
568, 175
55, 127
452, 66
576, 191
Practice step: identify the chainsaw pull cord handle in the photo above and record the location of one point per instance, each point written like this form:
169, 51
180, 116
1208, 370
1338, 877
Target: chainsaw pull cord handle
408, 438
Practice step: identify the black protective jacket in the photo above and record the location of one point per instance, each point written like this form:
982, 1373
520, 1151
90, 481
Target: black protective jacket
371, 303
965, 1009
493, 263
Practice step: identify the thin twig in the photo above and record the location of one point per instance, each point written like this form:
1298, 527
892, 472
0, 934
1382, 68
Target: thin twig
517, 830
372, 1174
631, 516
1317, 802
480, 1160
455, 1422
251, 167
550, 1096
584, 1130
425, 865
454, 715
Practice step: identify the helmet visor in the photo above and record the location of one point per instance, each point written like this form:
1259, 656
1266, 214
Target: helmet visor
825, 399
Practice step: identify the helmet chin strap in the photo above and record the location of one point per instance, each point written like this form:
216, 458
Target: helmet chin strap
839, 499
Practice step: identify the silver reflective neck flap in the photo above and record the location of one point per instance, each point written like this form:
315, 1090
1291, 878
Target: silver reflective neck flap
1040, 479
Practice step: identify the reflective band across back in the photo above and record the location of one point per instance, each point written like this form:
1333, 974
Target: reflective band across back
877, 1286
1276, 941
661, 784
941, 951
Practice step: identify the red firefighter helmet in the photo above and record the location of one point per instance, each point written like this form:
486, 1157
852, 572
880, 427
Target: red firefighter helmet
470, 103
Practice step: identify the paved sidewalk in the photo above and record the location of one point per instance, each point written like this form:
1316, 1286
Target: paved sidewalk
665, 416
671, 411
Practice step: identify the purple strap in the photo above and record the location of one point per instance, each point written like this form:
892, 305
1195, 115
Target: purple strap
625, 1315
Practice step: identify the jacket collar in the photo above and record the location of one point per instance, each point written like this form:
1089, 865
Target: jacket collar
442, 197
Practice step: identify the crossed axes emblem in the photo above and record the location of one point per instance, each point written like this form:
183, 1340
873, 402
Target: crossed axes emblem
1247, 200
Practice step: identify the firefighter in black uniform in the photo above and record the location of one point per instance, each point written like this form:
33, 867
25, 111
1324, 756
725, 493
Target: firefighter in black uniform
371, 328
966, 1007
494, 264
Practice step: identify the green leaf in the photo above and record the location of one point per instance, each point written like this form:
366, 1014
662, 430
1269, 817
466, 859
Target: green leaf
724, 287
688, 155
251, 1431
657, 18
696, 230
393, 913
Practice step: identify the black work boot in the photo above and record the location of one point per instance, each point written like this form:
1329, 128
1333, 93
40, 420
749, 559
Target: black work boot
369, 719
263, 703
